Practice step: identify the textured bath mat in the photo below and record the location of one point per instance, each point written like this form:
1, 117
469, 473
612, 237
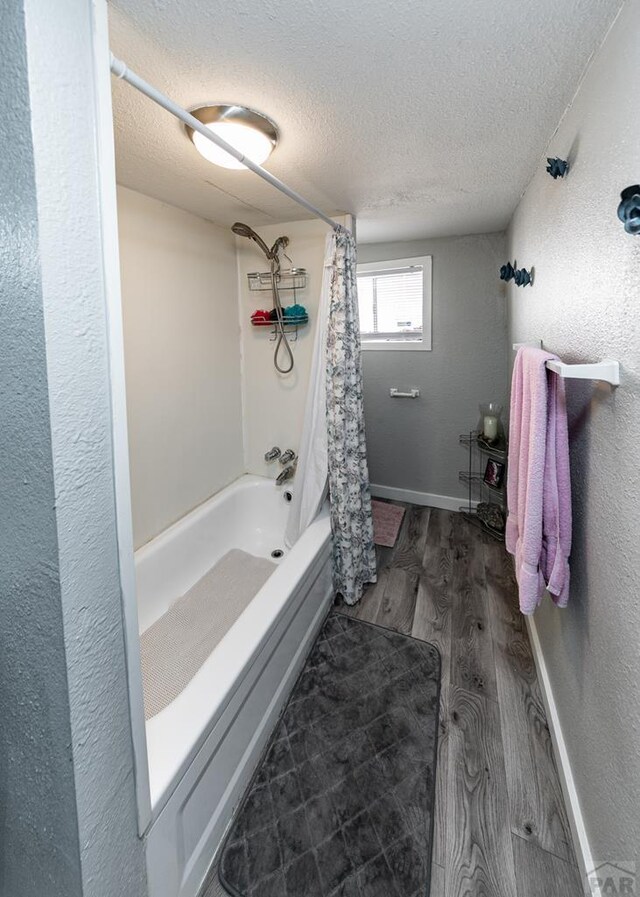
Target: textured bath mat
386, 522
342, 802
174, 648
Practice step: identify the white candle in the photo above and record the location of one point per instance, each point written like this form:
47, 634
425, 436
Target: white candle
490, 427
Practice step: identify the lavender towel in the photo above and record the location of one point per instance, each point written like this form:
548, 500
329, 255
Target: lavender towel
538, 485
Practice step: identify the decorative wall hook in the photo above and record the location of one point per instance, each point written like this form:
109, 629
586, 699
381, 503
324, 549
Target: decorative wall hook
507, 271
629, 209
557, 168
522, 277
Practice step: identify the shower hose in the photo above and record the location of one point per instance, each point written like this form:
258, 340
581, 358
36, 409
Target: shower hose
281, 335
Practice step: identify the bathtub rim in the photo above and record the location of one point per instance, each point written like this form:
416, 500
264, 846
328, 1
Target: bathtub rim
244, 482
169, 756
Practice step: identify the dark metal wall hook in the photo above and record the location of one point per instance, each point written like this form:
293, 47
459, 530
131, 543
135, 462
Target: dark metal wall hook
522, 277
507, 271
629, 209
557, 168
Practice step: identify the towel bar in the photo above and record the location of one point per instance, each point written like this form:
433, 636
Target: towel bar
606, 370
397, 394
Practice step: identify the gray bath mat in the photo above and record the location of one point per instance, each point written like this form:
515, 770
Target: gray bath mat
174, 648
342, 802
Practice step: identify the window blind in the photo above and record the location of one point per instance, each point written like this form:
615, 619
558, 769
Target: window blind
390, 303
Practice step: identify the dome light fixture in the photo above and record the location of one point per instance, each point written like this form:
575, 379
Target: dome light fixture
248, 131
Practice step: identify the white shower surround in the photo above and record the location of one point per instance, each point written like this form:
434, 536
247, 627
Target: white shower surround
203, 747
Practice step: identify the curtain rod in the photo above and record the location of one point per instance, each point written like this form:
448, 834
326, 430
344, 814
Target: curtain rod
122, 71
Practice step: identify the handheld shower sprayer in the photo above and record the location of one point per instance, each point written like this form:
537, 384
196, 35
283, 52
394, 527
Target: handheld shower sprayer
273, 255
243, 230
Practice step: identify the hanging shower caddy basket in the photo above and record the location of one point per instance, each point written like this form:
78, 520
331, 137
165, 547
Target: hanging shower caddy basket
289, 279
297, 320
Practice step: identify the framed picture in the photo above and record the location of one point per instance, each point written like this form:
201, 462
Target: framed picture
494, 473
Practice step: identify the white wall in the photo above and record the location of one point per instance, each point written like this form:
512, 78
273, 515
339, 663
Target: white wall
413, 444
274, 403
182, 355
585, 305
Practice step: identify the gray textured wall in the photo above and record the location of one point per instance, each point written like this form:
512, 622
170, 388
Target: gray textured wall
585, 306
413, 444
68, 812
39, 851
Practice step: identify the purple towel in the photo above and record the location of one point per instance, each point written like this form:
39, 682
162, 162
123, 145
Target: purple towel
538, 486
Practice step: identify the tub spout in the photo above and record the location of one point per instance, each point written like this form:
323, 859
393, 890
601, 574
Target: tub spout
286, 474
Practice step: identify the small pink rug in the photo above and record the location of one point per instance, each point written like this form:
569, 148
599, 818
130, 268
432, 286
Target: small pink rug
386, 522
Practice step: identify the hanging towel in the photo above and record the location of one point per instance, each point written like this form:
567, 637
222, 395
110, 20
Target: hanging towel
538, 531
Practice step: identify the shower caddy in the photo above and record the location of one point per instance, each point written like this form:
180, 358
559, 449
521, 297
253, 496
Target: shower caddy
289, 279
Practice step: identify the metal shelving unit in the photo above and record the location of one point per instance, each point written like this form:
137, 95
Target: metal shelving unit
487, 504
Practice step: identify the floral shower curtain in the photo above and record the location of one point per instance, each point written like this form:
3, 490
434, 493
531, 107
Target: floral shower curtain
333, 443
354, 557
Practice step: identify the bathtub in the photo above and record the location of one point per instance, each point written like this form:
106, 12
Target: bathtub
203, 747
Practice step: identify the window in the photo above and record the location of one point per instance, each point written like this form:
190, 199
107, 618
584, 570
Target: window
394, 300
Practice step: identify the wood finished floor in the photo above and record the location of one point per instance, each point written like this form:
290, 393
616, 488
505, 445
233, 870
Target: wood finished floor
501, 828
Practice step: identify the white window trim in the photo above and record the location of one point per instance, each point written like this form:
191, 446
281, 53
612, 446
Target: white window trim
404, 345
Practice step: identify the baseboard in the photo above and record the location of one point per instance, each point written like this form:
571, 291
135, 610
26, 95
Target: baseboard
430, 499
581, 844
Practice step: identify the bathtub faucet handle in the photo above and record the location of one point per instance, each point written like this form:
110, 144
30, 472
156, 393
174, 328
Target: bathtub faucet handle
272, 454
287, 457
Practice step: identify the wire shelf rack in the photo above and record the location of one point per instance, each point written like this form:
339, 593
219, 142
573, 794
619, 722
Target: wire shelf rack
289, 279
486, 506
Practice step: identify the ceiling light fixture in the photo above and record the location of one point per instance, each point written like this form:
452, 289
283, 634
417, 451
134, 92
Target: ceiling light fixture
252, 134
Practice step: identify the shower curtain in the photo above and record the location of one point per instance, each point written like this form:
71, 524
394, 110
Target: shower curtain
333, 447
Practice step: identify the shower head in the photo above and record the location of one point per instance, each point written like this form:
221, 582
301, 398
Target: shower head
243, 230
281, 243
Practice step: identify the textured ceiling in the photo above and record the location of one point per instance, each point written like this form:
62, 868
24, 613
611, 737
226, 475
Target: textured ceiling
421, 118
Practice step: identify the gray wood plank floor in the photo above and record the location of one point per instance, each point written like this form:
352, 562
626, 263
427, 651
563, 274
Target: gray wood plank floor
501, 828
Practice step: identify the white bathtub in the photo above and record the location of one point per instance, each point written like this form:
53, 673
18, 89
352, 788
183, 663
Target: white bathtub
204, 746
